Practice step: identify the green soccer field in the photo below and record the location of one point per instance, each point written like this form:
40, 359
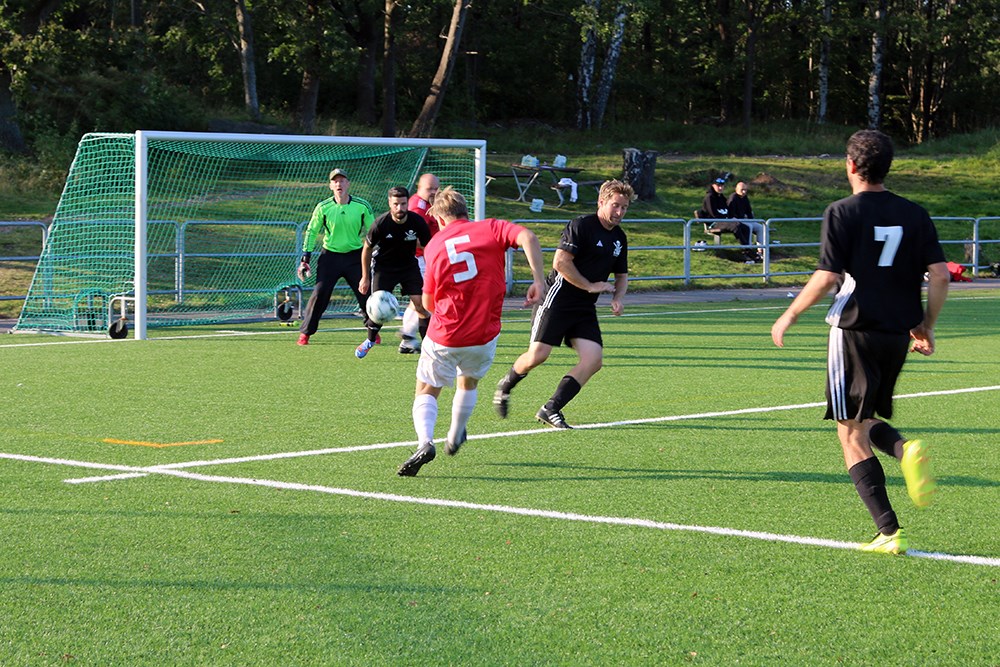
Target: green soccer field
225, 497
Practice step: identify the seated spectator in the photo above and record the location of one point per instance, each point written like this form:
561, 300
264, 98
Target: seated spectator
740, 208
715, 207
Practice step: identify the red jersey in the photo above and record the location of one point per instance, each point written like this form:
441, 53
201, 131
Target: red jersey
420, 206
465, 274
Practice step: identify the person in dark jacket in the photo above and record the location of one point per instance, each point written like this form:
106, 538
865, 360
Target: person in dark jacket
715, 207
740, 208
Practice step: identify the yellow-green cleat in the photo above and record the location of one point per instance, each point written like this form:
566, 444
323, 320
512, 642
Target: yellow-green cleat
888, 544
917, 473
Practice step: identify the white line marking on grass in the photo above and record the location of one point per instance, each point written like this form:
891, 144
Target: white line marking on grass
504, 434
509, 509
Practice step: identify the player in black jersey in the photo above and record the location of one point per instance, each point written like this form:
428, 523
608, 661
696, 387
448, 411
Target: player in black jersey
592, 247
387, 259
877, 246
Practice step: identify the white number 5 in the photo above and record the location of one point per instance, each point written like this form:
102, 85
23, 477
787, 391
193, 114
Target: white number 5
455, 256
892, 236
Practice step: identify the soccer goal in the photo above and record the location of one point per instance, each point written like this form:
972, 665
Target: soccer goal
175, 228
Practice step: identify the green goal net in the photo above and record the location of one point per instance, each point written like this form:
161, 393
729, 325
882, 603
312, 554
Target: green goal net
164, 229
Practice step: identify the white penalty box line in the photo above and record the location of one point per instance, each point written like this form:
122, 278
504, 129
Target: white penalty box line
137, 472
507, 509
176, 470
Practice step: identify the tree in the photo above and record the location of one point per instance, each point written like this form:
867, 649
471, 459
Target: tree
311, 57
244, 25
393, 19
610, 66
878, 64
588, 59
824, 62
424, 123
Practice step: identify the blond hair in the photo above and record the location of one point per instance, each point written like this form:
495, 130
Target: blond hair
450, 204
615, 187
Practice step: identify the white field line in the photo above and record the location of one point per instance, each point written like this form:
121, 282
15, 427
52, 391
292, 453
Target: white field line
504, 434
508, 509
233, 334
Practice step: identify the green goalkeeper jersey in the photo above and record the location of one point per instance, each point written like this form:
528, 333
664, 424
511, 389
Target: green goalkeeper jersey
344, 226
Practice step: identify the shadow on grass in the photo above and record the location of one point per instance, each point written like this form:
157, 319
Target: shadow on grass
606, 473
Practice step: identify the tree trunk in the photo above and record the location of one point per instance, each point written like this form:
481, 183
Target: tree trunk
878, 58
11, 139
392, 21
424, 123
750, 60
311, 57
639, 171
244, 23
727, 55
308, 99
824, 63
585, 78
367, 67
610, 66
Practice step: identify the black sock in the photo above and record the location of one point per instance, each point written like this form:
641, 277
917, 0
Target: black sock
567, 389
887, 439
422, 324
869, 480
373, 330
510, 380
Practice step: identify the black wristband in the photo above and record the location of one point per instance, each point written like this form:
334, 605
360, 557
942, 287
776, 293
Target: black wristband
306, 256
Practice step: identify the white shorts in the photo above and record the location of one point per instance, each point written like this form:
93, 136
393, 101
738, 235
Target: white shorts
439, 365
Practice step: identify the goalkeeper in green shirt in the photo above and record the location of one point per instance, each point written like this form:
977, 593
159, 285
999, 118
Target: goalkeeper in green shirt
344, 223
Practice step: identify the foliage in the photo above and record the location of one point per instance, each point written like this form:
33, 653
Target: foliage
77, 66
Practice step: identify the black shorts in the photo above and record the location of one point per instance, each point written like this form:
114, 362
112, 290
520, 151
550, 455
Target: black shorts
862, 368
409, 280
555, 324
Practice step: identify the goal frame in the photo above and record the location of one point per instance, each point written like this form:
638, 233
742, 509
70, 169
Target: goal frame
143, 137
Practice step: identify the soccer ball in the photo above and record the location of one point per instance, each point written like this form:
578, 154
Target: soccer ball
382, 307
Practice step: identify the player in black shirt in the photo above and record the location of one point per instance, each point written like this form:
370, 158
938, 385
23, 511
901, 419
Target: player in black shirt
592, 247
877, 246
387, 259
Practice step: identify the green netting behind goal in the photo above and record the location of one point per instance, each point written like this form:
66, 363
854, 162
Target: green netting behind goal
225, 218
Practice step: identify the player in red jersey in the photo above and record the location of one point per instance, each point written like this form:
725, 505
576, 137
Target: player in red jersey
464, 287
420, 203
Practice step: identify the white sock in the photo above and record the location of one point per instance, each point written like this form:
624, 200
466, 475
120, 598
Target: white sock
425, 413
411, 322
461, 409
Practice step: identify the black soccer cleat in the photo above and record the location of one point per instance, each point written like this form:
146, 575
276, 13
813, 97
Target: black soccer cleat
553, 418
425, 454
451, 448
501, 401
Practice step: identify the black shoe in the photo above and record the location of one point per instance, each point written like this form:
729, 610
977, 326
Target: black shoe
553, 418
501, 401
425, 454
451, 448
410, 345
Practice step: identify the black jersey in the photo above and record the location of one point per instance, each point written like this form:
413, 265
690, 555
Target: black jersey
394, 244
882, 245
597, 253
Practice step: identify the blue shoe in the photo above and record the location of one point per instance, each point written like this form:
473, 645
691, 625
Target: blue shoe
361, 350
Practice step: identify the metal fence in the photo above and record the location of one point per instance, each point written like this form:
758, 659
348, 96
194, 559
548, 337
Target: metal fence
971, 237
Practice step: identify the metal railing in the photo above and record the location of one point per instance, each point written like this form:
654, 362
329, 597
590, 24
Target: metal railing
765, 270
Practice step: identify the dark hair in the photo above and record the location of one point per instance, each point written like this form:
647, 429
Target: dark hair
871, 152
399, 191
